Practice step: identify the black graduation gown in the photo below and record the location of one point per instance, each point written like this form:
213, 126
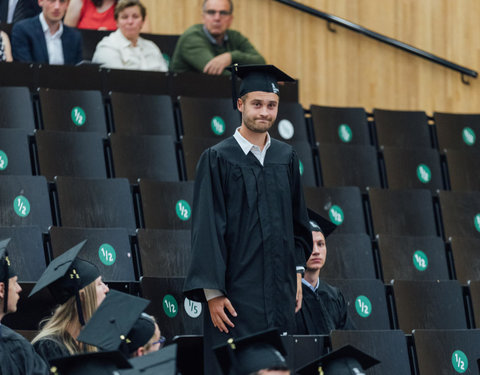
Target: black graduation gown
17, 356
250, 230
50, 348
322, 311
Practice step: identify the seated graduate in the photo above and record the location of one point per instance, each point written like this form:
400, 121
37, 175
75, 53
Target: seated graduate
262, 353
77, 286
155, 342
324, 308
17, 356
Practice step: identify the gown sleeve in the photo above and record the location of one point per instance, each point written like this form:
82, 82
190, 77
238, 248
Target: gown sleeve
209, 250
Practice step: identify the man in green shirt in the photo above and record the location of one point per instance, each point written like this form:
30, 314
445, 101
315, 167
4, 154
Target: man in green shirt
211, 47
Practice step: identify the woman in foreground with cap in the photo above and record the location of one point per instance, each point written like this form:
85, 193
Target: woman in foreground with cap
77, 286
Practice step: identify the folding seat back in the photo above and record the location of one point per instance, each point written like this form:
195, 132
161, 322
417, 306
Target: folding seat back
109, 249
402, 212
137, 82
14, 152
463, 169
25, 201
340, 125
457, 131
422, 304
145, 156
70, 154
16, 109
69, 77
460, 213
389, 347
342, 205
465, 258
412, 258
367, 302
193, 148
349, 165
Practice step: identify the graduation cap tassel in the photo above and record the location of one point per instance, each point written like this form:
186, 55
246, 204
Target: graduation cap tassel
79, 309
234, 85
6, 282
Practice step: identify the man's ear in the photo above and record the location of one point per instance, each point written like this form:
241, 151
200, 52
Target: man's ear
240, 104
2, 290
140, 351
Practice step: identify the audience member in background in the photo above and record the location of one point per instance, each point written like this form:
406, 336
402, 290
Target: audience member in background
78, 287
91, 14
211, 47
5, 49
124, 48
324, 307
45, 39
17, 356
12, 11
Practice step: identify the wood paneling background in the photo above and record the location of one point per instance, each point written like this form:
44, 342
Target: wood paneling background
348, 69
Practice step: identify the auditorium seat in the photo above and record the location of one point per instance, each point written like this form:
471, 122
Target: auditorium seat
136, 82
137, 114
349, 256
402, 212
412, 257
18, 74
342, 205
26, 250
72, 110
145, 156
465, 258
193, 148
95, 203
422, 304
463, 169
447, 351
474, 287
15, 152
25, 201
349, 165
307, 168
290, 125
166, 205
460, 213
16, 109
208, 117
164, 252
340, 125
367, 302
175, 314
193, 84
389, 347
402, 128
69, 77
70, 154
457, 131
413, 168
108, 248
304, 349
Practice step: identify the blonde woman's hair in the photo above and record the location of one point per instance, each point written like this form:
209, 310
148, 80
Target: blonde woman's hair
66, 315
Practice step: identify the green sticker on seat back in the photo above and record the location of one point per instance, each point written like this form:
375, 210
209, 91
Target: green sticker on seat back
459, 361
468, 136
78, 116
3, 160
21, 206
345, 133
424, 174
183, 210
218, 125
363, 306
420, 260
170, 306
107, 254
477, 222
300, 167
336, 215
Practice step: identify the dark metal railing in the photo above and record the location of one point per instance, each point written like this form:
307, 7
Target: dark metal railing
381, 38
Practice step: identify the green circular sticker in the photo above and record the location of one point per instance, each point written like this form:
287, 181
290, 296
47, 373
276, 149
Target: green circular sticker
21, 205
459, 361
183, 210
300, 167
3, 160
218, 125
78, 116
468, 136
107, 254
170, 306
345, 133
424, 174
363, 306
336, 215
477, 222
420, 260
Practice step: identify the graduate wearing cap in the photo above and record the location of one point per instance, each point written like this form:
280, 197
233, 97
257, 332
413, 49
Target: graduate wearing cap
324, 308
77, 287
250, 230
17, 356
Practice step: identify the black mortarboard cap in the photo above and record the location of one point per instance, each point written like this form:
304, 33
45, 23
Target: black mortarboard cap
256, 78
110, 325
66, 275
319, 224
6, 269
347, 360
262, 350
189, 353
100, 363
163, 361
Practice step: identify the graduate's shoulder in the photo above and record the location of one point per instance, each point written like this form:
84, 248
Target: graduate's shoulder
332, 291
225, 149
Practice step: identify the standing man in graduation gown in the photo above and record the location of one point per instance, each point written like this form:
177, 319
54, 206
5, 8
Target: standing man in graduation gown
250, 231
324, 308
17, 356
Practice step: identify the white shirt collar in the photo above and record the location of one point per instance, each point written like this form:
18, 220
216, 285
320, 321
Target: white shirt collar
246, 145
46, 28
126, 42
313, 288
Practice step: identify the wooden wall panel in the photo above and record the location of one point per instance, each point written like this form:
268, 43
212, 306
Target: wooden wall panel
348, 69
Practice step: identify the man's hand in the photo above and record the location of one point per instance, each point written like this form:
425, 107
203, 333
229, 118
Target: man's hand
299, 296
217, 308
217, 65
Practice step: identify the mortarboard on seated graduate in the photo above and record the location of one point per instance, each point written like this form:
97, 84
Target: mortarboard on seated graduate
161, 362
319, 224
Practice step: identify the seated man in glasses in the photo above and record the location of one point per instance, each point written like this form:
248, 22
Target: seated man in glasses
211, 47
